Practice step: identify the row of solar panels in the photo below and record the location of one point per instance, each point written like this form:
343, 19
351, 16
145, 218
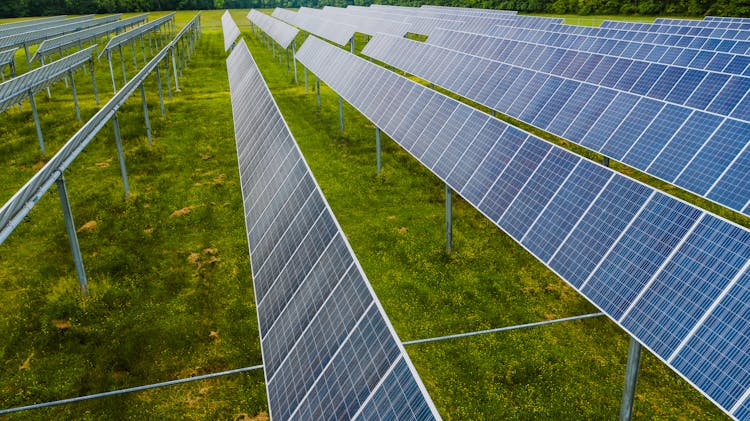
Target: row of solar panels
671, 274
329, 351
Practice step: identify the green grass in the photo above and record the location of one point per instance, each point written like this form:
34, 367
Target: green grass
161, 285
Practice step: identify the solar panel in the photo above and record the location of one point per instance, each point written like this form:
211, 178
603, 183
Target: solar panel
694, 89
7, 58
35, 37
30, 26
231, 31
338, 32
134, 33
721, 33
27, 22
281, 32
652, 52
693, 149
364, 24
329, 350
92, 34
15, 90
638, 254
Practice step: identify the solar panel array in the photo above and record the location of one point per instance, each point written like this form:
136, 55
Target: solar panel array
35, 37
718, 61
703, 90
231, 31
364, 24
17, 89
7, 57
134, 33
31, 26
338, 32
704, 23
28, 22
700, 151
281, 32
53, 45
721, 33
672, 275
329, 351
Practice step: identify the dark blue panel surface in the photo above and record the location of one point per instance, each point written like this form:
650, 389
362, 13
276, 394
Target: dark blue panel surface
733, 188
708, 260
707, 90
475, 153
661, 130
654, 233
685, 87
609, 120
397, 398
589, 114
734, 90
631, 129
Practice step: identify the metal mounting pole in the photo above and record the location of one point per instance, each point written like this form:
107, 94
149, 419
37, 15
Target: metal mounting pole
605, 161
294, 61
49, 94
28, 56
145, 114
75, 94
143, 51
273, 49
70, 227
36, 121
161, 94
122, 63
169, 82
135, 57
93, 82
377, 148
174, 72
448, 219
120, 154
352, 44
317, 89
631, 378
287, 60
111, 71
304, 69
341, 113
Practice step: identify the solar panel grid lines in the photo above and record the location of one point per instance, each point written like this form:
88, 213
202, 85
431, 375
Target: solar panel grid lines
37, 26
312, 21
231, 30
640, 249
75, 38
721, 33
656, 53
17, 89
281, 32
329, 350
34, 37
703, 23
369, 25
7, 57
136, 32
641, 134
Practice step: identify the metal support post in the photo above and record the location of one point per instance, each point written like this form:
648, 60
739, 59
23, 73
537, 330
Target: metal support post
70, 227
93, 82
174, 72
169, 83
75, 94
448, 219
317, 89
28, 56
631, 378
377, 149
294, 61
287, 60
304, 69
36, 121
143, 51
145, 114
120, 154
341, 113
352, 44
161, 94
494, 113
273, 49
111, 71
135, 57
122, 63
605, 161
49, 94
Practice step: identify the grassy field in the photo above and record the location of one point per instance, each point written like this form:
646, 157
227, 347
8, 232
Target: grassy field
171, 294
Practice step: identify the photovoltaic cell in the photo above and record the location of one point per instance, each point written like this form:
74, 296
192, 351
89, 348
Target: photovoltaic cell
281, 32
231, 31
643, 257
329, 350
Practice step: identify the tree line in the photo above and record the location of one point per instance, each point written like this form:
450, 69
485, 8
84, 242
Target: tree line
18, 8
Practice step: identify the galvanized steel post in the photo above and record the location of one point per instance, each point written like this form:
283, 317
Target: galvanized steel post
70, 227
93, 82
122, 63
174, 72
448, 219
120, 154
161, 94
341, 113
75, 94
294, 60
317, 89
145, 114
169, 83
111, 71
36, 121
304, 69
631, 379
377, 148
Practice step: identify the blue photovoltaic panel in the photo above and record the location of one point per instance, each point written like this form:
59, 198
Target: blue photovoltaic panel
329, 351
677, 144
332, 30
631, 250
132, 34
